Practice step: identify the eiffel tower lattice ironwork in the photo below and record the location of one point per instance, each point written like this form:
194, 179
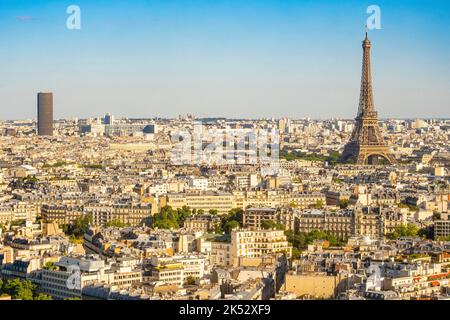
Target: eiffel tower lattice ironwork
366, 144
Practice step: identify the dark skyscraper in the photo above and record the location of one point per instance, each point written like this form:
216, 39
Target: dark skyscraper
45, 113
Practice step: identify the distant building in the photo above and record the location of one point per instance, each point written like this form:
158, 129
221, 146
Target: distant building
439, 172
256, 243
109, 119
45, 114
441, 229
150, 129
202, 223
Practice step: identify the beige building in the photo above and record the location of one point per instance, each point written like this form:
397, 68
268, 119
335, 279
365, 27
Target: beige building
60, 214
256, 243
133, 215
253, 217
202, 223
339, 224
315, 286
222, 202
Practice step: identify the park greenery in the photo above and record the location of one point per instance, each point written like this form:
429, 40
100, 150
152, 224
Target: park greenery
92, 166
169, 218
301, 240
343, 203
410, 207
234, 219
270, 224
21, 290
190, 280
409, 230
318, 205
56, 164
50, 266
116, 223
78, 227
332, 159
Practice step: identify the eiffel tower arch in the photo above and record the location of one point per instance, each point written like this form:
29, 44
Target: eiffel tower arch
366, 145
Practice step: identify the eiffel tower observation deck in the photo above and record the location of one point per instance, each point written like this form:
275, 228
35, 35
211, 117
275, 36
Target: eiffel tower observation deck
366, 145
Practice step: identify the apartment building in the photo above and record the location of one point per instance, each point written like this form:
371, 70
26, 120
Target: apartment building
256, 243
131, 214
276, 198
61, 214
202, 222
220, 253
339, 224
72, 274
253, 217
175, 270
222, 202
441, 229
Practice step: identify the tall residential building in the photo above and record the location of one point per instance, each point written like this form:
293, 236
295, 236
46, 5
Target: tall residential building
257, 243
45, 113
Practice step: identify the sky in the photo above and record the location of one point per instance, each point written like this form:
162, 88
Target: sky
218, 58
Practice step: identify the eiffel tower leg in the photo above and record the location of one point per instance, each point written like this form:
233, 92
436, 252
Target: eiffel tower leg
390, 158
361, 159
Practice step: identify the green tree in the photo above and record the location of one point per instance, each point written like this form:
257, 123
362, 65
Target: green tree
319, 204
116, 223
168, 218
343, 204
218, 228
410, 230
427, 233
296, 253
22, 290
270, 224
50, 266
42, 296
230, 225
333, 158
190, 280
18, 222
183, 214
436, 216
236, 214
78, 227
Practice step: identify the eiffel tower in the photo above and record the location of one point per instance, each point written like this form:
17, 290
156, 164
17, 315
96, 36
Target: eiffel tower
366, 145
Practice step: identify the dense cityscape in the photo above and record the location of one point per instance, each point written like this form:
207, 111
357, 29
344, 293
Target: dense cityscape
208, 212
105, 209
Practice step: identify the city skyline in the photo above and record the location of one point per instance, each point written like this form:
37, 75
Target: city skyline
224, 158
223, 59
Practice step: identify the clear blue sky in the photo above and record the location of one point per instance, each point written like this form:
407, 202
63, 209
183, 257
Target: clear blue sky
236, 58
